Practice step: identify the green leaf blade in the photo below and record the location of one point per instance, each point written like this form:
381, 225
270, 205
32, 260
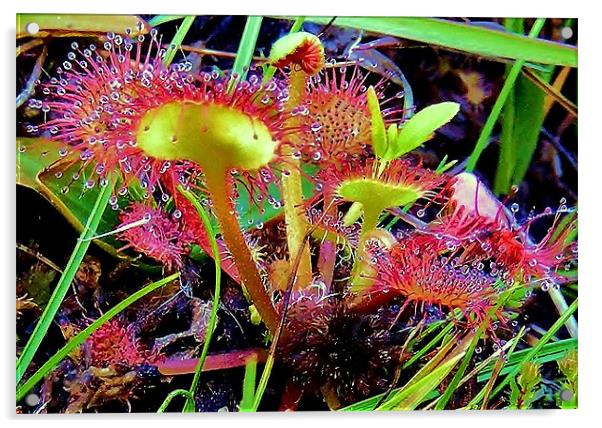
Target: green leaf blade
377, 128
465, 37
421, 127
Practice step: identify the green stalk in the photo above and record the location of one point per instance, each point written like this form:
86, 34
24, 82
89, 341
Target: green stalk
219, 190
248, 385
267, 369
429, 345
81, 337
246, 48
297, 24
61, 288
507, 155
499, 103
189, 406
497, 368
457, 36
177, 40
162, 19
370, 222
263, 382
292, 192
173, 394
549, 352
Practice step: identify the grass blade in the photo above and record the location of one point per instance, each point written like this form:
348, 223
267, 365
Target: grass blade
173, 394
428, 377
507, 154
248, 385
177, 40
465, 37
451, 388
437, 360
189, 406
411, 397
263, 382
162, 19
552, 90
246, 48
81, 337
527, 126
550, 352
61, 288
497, 368
426, 348
499, 103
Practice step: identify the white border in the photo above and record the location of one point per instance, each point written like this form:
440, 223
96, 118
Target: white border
589, 184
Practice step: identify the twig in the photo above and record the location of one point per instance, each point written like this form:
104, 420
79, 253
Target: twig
555, 141
40, 257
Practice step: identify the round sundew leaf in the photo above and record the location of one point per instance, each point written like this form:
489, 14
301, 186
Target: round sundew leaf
376, 194
287, 45
377, 127
215, 137
420, 128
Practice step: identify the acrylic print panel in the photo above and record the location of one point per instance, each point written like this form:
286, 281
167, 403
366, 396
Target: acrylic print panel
256, 214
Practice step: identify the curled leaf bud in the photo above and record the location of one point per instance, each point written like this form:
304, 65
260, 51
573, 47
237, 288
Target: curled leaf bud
300, 50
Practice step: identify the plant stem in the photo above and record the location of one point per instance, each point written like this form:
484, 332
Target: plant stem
62, 287
508, 152
248, 385
453, 385
370, 222
219, 188
292, 194
499, 103
173, 394
296, 224
267, 370
263, 382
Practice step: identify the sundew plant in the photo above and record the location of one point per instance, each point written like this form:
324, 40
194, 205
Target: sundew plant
295, 213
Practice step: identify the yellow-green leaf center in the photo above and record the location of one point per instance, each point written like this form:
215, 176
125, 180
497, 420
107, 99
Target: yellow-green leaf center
376, 194
213, 136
